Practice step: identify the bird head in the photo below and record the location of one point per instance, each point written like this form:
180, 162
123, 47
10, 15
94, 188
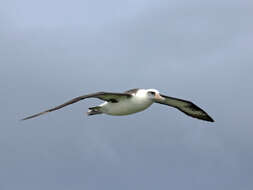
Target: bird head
154, 94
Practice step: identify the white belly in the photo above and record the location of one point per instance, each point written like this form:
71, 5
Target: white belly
126, 107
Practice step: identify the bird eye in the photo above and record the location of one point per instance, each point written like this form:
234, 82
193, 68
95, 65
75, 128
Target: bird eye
151, 93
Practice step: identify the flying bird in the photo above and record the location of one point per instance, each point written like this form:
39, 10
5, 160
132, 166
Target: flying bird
133, 101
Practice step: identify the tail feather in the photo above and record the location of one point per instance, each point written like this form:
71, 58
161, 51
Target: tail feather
94, 111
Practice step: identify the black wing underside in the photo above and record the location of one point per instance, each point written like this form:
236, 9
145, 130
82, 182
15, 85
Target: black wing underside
187, 107
106, 96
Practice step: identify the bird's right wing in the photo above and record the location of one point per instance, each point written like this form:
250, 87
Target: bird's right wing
106, 96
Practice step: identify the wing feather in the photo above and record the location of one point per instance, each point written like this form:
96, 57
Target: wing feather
185, 106
106, 96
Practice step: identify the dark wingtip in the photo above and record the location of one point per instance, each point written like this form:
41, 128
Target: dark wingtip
35, 115
23, 119
26, 118
208, 118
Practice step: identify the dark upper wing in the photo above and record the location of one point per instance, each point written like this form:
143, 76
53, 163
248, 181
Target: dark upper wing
106, 96
132, 91
185, 106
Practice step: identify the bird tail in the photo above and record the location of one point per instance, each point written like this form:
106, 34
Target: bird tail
94, 111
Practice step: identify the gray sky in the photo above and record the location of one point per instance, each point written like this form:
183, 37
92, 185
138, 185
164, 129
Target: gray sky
52, 51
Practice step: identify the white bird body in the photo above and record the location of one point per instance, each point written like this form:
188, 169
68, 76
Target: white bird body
132, 101
139, 102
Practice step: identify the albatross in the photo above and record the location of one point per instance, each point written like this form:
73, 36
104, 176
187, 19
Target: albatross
132, 101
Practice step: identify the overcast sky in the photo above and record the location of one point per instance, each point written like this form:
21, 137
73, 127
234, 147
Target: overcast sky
52, 51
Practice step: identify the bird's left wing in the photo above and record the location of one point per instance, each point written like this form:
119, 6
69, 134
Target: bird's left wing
185, 106
106, 96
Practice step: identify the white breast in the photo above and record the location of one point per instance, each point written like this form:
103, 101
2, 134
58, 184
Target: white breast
127, 106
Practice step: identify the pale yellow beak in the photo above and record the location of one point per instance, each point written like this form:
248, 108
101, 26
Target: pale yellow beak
159, 97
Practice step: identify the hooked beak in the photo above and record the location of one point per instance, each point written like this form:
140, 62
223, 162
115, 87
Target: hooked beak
159, 97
